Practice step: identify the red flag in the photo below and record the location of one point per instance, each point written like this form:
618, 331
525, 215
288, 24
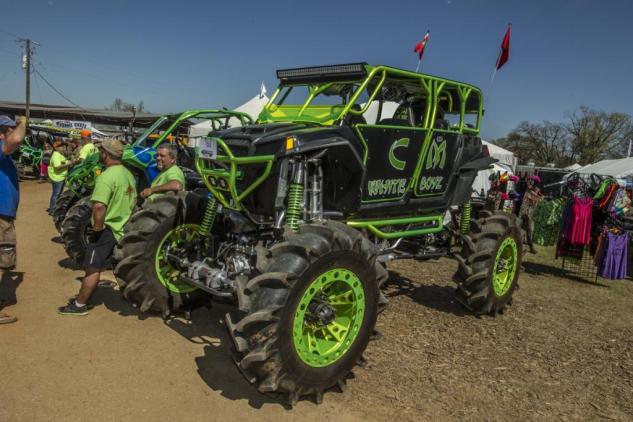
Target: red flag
504, 55
419, 47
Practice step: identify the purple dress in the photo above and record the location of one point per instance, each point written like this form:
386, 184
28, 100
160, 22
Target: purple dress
614, 263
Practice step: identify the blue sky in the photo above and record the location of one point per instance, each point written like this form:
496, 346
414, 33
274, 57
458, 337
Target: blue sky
194, 54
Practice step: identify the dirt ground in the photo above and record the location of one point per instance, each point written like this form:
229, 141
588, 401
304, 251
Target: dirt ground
563, 351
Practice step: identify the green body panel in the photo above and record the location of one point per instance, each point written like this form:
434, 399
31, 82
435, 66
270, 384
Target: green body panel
82, 177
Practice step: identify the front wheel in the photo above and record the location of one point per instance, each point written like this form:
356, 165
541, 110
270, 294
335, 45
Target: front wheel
145, 273
74, 229
489, 263
310, 314
66, 200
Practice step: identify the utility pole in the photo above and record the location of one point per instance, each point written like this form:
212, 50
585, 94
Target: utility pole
26, 65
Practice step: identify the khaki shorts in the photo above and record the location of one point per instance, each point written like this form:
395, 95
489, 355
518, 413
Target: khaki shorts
7, 243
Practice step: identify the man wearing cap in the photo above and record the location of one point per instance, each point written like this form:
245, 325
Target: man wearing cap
171, 178
113, 200
57, 172
11, 136
87, 147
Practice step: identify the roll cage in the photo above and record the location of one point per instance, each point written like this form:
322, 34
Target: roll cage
167, 124
424, 100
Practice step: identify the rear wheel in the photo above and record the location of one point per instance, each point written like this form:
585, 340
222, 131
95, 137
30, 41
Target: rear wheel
74, 229
145, 274
309, 316
64, 202
489, 263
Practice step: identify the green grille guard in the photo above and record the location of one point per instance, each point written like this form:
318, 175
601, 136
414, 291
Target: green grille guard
29, 155
222, 173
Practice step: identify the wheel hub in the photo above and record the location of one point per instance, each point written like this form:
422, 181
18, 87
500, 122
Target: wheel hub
322, 312
167, 262
505, 266
328, 317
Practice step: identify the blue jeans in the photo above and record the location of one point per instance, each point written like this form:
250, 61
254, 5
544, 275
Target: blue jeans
58, 187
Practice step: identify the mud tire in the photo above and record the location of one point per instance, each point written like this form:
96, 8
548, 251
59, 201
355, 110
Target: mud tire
262, 334
476, 262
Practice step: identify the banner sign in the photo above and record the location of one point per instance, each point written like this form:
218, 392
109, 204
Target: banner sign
72, 124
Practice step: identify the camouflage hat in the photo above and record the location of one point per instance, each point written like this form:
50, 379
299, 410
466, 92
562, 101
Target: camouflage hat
112, 147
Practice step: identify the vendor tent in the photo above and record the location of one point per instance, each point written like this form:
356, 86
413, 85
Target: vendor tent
504, 156
619, 168
482, 181
252, 107
573, 167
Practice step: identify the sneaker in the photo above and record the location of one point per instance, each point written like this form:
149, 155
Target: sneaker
72, 309
72, 300
7, 319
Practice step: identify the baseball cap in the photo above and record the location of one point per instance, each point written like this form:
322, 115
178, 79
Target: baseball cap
112, 146
7, 121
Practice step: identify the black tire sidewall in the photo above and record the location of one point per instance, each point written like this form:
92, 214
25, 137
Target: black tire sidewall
324, 377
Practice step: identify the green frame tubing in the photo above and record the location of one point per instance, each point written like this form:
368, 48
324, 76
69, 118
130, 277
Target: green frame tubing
374, 226
502, 278
215, 115
319, 345
222, 182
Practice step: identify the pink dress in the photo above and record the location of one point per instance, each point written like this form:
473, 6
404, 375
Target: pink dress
578, 226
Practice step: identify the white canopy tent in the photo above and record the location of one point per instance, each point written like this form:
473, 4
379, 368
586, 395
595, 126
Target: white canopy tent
618, 168
507, 162
573, 167
504, 156
252, 107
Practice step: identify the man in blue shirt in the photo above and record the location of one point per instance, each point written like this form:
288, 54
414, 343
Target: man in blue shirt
11, 136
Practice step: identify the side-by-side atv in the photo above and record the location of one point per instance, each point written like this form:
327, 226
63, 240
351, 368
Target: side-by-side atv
74, 209
28, 156
348, 167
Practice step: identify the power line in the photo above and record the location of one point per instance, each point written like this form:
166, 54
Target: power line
59, 93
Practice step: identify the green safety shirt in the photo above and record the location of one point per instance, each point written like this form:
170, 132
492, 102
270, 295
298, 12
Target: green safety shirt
57, 159
116, 189
166, 176
87, 150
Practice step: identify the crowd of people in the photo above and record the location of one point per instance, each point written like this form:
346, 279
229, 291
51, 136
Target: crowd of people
114, 199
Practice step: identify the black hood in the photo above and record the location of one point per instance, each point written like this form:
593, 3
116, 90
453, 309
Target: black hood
270, 138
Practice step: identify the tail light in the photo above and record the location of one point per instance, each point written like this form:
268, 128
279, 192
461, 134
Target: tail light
486, 152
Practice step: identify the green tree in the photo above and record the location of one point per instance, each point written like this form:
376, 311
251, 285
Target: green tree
119, 105
598, 135
543, 143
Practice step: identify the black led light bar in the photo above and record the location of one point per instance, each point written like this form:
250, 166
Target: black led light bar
332, 73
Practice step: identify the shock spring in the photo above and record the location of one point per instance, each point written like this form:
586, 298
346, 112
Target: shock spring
295, 204
209, 216
464, 224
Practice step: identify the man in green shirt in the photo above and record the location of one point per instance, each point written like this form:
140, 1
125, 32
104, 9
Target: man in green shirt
57, 171
170, 178
87, 148
113, 201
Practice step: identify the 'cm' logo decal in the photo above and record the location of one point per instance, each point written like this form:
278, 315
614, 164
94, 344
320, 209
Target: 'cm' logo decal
437, 154
397, 164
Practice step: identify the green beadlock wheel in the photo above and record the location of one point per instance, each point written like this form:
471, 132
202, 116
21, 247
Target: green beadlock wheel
328, 317
167, 274
505, 266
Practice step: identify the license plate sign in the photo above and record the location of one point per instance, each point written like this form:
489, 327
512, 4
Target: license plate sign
208, 148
